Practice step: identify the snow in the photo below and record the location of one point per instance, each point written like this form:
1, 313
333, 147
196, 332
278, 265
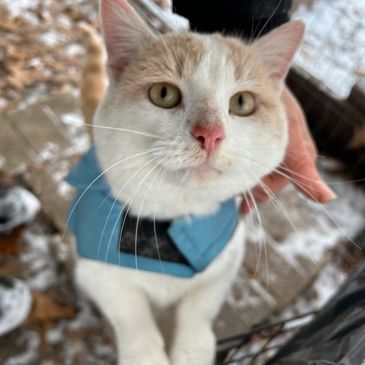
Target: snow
332, 53
52, 38
333, 49
307, 229
56, 335
42, 272
3, 102
326, 285
29, 355
15, 305
76, 131
19, 7
17, 207
73, 50
85, 317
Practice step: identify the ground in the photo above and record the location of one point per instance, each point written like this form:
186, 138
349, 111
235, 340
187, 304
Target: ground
41, 54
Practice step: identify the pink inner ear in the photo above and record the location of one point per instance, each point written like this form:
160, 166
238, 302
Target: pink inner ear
278, 48
108, 11
124, 32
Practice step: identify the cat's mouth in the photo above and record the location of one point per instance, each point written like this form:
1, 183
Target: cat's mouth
206, 166
205, 170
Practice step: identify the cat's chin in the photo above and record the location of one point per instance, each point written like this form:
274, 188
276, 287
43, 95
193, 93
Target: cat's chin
200, 176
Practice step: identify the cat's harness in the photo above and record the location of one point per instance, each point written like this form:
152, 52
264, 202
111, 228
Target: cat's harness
182, 247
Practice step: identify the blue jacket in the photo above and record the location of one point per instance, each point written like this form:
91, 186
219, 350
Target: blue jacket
96, 219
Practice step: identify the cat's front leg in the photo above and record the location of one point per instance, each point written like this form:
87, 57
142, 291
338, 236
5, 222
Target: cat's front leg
138, 338
194, 341
128, 310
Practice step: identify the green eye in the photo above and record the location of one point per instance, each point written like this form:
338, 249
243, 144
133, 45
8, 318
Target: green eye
164, 95
242, 104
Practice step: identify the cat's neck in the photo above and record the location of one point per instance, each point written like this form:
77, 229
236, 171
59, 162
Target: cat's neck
167, 203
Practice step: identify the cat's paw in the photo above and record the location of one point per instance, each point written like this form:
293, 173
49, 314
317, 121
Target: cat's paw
145, 357
192, 358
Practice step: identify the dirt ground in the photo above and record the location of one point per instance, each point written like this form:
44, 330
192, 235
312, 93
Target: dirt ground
40, 54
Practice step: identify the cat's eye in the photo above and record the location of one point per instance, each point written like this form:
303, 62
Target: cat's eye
164, 95
242, 104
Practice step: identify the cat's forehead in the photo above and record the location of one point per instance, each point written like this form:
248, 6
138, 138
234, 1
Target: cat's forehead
181, 55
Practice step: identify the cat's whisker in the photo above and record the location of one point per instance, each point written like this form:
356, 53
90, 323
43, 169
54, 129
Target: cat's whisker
315, 201
140, 211
262, 240
143, 152
267, 22
164, 172
328, 214
116, 199
127, 205
281, 208
252, 223
304, 177
281, 171
151, 135
276, 202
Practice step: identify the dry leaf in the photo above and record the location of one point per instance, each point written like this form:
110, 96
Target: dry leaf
10, 244
45, 309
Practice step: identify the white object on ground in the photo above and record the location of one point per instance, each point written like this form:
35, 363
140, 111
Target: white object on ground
17, 206
15, 303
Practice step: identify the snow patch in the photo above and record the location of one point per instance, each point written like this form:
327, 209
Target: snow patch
30, 355
42, 265
20, 7
15, 304
333, 48
52, 38
17, 206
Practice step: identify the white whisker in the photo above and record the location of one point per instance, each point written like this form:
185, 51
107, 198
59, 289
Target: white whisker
140, 211
123, 130
127, 204
315, 201
116, 199
145, 152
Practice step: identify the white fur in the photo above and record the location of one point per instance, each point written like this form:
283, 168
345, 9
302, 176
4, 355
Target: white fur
176, 179
127, 298
206, 98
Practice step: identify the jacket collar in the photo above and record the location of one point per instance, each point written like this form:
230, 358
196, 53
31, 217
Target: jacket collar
96, 218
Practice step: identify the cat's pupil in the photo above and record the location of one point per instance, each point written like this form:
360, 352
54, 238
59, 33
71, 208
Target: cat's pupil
163, 92
240, 101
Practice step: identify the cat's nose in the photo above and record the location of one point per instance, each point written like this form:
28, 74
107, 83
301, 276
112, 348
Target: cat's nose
208, 136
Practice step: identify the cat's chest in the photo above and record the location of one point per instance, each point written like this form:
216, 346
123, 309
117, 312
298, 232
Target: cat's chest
165, 290
106, 230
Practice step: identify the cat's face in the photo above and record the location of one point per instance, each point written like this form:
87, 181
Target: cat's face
207, 108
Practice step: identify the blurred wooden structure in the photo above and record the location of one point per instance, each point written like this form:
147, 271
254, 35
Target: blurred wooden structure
338, 126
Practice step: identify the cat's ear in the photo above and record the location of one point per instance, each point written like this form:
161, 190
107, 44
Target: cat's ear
125, 33
277, 48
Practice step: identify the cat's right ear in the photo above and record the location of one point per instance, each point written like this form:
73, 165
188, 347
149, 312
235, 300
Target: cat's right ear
278, 48
125, 33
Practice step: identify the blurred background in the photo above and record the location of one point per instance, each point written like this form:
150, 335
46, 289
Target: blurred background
299, 253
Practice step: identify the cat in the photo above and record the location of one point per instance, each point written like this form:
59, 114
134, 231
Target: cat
187, 123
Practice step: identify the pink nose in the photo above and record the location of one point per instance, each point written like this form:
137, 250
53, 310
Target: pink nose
208, 136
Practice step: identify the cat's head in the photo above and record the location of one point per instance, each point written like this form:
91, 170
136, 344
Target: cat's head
193, 119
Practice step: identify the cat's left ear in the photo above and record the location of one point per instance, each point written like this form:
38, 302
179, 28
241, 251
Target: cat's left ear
125, 32
277, 48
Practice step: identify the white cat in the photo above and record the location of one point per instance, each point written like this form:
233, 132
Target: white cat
188, 122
